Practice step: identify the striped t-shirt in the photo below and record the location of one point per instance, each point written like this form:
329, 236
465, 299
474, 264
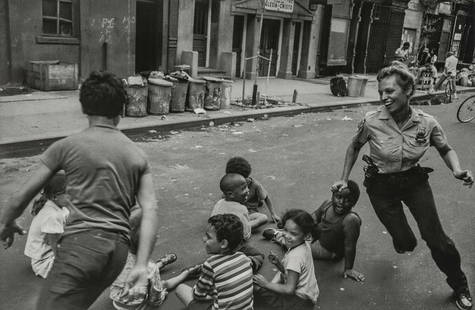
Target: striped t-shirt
227, 280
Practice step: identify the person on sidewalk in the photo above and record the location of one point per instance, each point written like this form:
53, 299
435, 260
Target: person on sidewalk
258, 195
235, 192
338, 230
106, 173
398, 137
450, 70
402, 53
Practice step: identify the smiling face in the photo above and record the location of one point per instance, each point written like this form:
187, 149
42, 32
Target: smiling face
240, 192
391, 94
293, 234
342, 203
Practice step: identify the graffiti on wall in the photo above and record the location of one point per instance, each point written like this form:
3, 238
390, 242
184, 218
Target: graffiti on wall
107, 25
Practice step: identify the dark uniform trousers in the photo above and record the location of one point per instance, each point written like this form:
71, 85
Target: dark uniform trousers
86, 264
387, 191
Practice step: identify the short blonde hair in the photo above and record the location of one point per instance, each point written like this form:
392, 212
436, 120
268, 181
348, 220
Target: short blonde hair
404, 77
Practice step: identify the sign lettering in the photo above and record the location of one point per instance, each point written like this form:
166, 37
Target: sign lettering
279, 5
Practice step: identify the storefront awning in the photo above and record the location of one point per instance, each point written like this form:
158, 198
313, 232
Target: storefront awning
299, 12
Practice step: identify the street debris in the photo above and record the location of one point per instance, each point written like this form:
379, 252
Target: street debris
250, 120
252, 151
152, 131
211, 124
174, 132
346, 118
237, 133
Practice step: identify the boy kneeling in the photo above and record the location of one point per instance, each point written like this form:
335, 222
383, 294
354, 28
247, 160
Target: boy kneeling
224, 273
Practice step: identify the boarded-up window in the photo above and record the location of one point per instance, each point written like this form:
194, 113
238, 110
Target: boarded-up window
58, 17
338, 42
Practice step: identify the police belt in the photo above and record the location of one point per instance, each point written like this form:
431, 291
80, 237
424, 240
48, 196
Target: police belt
402, 175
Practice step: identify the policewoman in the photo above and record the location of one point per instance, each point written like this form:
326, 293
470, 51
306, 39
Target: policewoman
398, 137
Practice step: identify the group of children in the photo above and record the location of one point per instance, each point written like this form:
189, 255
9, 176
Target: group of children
228, 278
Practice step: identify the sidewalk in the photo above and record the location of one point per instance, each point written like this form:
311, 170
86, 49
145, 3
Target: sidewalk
51, 115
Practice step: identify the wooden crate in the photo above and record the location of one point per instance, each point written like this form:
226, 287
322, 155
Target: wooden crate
52, 75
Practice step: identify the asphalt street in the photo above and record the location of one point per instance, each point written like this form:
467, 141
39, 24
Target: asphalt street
297, 159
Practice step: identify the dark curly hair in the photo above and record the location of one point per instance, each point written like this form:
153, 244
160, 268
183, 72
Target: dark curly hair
404, 77
304, 220
239, 165
229, 227
102, 94
352, 192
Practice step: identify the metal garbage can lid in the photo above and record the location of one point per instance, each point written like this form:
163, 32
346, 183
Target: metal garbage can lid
160, 82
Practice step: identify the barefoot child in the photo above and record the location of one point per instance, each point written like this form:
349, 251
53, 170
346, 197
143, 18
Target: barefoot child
47, 226
226, 276
296, 287
258, 195
155, 293
235, 192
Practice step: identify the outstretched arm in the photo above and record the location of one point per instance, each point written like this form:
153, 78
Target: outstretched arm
149, 224
19, 201
286, 288
274, 215
452, 161
351, 229
352, 153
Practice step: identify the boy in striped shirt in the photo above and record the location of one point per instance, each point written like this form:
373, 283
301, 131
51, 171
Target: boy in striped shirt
226, 276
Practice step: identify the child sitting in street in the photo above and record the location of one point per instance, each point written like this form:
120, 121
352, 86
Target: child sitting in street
235, 192
258, 195
226, 276
156, 291
47, 225
339, 230
294, 286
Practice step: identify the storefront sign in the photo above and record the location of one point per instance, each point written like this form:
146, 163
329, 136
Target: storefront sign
279, 5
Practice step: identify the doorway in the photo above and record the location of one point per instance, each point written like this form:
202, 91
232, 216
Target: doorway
238, 34
361, 51
270, 37
147, 36
296, 48
200, 30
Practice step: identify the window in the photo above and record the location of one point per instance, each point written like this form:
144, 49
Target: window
58, 17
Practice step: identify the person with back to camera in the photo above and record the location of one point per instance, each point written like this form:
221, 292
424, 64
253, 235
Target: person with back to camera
294, 286
258, 195
225, 281
235, 192
47, 225
398, 137
338, 230
106, 174
450, 69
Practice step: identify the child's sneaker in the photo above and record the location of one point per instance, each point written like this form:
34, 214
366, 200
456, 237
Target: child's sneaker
167, 259
269, 233
463, 300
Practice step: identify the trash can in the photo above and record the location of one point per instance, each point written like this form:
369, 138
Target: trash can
226, 95
137, 95
178, 94
214, 92
196, 94
159, 95
357, 86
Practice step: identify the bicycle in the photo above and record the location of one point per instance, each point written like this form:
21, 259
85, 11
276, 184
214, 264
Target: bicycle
466, 110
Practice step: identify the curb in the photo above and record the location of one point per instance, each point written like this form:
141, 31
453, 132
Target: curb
22, 148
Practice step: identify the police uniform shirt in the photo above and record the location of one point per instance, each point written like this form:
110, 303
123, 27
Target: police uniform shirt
395, 149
